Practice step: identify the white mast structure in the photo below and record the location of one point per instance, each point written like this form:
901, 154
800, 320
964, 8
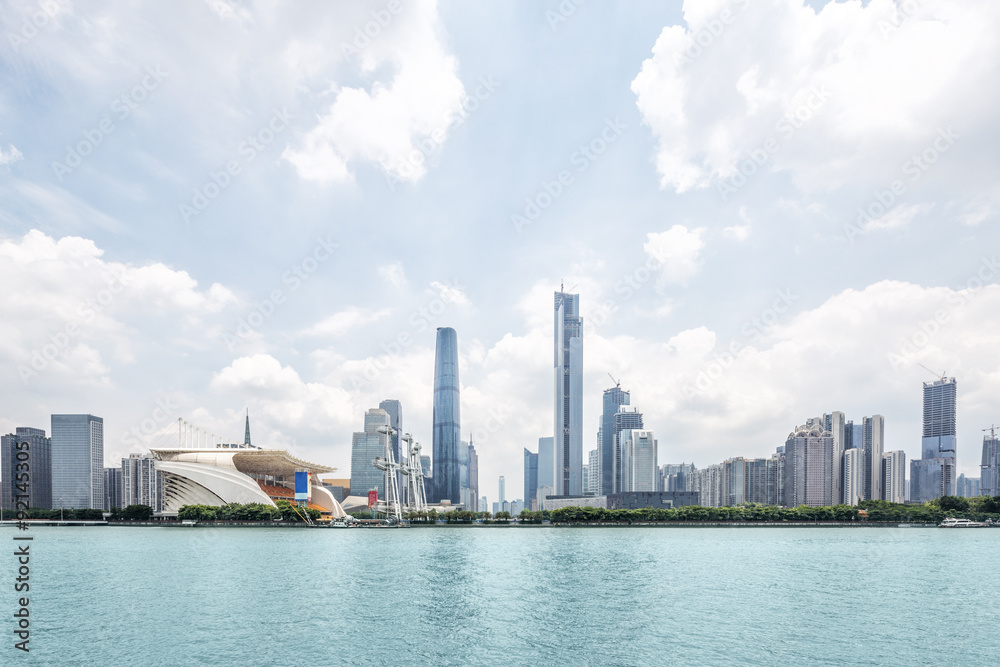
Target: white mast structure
390, 505
414, 476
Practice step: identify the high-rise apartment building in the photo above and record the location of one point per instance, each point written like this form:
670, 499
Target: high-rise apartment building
854, 476
366, 446
873, 434
568, 427
447, 432
31, 446
809, 466
968, 487
141, 484
835, 424
614, 398
77, 461
894, 476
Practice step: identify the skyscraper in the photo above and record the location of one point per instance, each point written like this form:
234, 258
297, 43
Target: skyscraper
546, 470
38, 452
873, 435
594, 472
809, 465
894, 476
112, 489
141, 484
473, 477
613, 398
934, 474
502, 495
624, 419
640, 468
395, 411
77, 461
854, 478
568, 430
447, 432
530, 477
835, 424
989, 471
365, 447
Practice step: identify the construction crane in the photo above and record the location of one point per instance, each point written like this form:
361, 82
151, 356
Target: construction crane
992, 429
941, 376
618, 383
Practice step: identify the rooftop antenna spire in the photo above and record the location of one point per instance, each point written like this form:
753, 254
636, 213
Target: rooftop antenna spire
992, 429
246, 435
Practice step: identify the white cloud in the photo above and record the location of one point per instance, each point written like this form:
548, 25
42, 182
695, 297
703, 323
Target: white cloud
12, 155
346, 320
677, 250
392, 123
900, 216
450, 293
737, 232
846, 94
394, 274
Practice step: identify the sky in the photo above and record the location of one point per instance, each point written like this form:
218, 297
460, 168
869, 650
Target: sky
770, 209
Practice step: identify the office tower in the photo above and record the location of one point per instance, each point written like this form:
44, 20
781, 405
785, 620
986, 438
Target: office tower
613, 399
989, 471
112, 489
873, 434
77, 461
934, 474
854, 477
624, 419
968, 487
850, 442
733, 482
496, 508
530, 477
639, 470
366, 446
835, 424
894, 476
546, 471
482, 504
568, 427
516, 507
586, 480
447, 432
141, 484
677, 476
809, 465
38, 455
594, 472
464, 490
502, 495
473, 476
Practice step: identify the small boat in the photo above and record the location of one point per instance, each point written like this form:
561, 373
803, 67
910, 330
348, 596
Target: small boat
960, 523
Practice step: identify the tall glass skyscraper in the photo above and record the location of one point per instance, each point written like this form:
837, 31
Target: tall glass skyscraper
613, 398
447, 430
39, 451
77, 462
933, 475
568, 430
530, 477
365, 447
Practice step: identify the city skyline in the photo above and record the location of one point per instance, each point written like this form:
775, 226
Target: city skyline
214, 250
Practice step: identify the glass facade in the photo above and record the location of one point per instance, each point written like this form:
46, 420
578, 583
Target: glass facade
77, 462
568, 427
447, 430
39, 464
613, 398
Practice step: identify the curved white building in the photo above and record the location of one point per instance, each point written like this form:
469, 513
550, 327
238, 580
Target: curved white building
198, 476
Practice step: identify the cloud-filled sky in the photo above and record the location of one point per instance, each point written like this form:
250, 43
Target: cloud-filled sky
771, 209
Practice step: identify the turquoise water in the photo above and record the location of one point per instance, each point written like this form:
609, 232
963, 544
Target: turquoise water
507, 596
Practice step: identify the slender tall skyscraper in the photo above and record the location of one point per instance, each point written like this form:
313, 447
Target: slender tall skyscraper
77, 461
530, 477
874, 444
613, 398
568, 431
447, 430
